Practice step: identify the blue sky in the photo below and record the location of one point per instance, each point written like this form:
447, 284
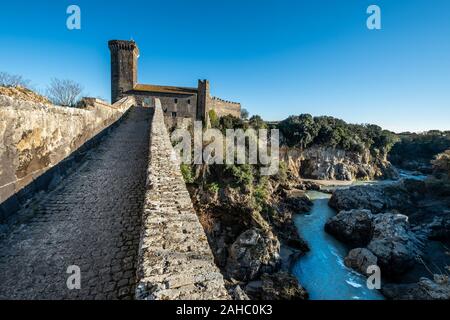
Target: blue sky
277, 58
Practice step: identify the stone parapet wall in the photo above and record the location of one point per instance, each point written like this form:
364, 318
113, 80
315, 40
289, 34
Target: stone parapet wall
223, 107
36, 137
175, 260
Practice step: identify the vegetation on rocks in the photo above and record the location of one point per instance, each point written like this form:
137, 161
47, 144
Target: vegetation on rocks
305, 130
415, 151
246, 216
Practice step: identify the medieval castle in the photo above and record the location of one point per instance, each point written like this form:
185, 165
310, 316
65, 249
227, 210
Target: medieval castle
177, 102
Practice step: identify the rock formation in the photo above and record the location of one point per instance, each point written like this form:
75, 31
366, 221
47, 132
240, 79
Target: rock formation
323, 163
387, 237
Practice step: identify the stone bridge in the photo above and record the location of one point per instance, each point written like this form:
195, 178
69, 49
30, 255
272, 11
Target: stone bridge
122, 215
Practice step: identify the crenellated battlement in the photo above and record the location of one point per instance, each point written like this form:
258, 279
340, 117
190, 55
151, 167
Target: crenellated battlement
225, 101
115, 45
177, 102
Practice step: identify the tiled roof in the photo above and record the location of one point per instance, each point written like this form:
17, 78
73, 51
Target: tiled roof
164, 89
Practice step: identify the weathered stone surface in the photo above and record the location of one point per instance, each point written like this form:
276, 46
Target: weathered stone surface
277, 286
425, 289
91, 219
254, 252
43, 135
175, 260
439, 228
24, 94
395, 246
238, 294
360, 259
388, 236
336, 164
353, 227
376, 198
296, 201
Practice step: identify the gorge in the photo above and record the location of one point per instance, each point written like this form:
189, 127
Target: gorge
264, 230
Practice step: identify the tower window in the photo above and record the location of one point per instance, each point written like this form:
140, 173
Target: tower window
176, 100
189, 101
174, 114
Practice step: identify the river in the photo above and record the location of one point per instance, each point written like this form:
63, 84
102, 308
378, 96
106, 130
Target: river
322, 271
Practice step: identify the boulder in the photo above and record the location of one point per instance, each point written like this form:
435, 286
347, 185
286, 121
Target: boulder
360, 259
238, 294
352, 227
376, 198
425, 289
439, 229
393, 242
296, 201
277, 286
254, 252
387, 236
358, 197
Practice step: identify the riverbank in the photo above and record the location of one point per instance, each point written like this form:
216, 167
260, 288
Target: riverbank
322, 270
403, 227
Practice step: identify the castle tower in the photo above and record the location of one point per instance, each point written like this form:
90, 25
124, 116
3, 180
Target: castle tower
203, 99
124, 55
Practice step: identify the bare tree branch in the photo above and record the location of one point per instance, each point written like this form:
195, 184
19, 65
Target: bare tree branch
64, 92
12, 80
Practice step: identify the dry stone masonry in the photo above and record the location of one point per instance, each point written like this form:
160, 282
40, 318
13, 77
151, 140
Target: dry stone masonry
37, 136
122, 214
91, 219
175, 260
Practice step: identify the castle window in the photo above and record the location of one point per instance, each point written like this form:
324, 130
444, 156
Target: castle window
176, 100
174, 114
189, 101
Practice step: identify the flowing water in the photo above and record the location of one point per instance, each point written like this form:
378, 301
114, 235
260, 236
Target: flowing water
322, 271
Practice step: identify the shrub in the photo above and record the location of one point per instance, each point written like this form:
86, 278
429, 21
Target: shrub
186, 171
305, 130
282, 174
213, 187
213, 119
261, 193
441, 163
242, 174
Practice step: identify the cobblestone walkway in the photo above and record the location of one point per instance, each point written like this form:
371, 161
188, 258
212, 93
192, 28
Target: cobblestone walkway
92, 220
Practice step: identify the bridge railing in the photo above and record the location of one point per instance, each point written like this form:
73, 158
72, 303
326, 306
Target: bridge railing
40, 142
175, 260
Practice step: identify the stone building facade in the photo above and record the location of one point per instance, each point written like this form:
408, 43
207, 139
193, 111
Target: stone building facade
177, 102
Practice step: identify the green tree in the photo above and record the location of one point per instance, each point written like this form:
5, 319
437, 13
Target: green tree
244, 114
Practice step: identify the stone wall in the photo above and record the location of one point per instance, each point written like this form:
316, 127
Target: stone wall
223, 107
36, 137
175, 106
175, 260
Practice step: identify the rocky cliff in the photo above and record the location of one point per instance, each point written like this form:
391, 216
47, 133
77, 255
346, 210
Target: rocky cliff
324, 163
247, 235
